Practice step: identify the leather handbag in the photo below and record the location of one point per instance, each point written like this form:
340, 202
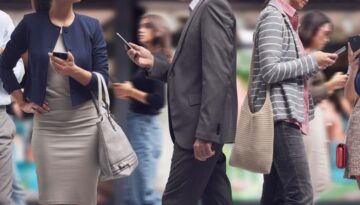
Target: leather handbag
253, 147
341, 156
116, 156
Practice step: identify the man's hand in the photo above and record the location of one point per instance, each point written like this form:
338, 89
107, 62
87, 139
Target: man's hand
141, 56
325, 60
203, 150
17, 110
1, 51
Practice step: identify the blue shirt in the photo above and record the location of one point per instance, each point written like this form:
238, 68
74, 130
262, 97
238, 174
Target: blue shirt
38, 35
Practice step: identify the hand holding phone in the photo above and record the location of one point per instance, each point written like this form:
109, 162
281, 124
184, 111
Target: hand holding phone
341, 50
355, 43
61, 55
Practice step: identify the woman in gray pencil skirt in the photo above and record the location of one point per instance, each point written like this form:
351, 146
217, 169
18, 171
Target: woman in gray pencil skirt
58, 92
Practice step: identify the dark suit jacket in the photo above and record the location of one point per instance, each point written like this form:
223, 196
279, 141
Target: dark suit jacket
202, 77
37, 35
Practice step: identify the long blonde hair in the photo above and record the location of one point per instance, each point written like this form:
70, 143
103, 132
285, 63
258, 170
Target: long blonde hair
162, 40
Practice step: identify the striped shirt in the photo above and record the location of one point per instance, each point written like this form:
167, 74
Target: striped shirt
277, 62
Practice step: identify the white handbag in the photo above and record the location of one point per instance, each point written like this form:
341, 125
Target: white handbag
117, 158
254, 141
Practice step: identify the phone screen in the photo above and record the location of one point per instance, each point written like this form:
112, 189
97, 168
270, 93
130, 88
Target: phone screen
60, 55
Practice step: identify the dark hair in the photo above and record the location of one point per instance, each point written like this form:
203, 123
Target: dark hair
41, 5
163, 38
310, 25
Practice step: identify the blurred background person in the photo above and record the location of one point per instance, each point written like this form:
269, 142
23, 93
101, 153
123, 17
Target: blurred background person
314, 32
10, 189
66, 160
147, 97
352, 92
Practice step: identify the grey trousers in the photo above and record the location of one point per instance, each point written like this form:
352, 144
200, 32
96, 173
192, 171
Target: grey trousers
289, 181
7, 129
191, 180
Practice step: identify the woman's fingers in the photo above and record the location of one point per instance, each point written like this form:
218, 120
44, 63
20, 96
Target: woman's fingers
46, 107
356, 53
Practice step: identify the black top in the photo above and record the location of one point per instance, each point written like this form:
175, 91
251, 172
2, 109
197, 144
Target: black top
155, 90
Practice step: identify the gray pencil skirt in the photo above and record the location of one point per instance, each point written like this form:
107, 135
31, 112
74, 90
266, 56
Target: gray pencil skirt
64, 145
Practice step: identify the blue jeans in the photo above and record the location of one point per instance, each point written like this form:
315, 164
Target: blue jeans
145, 136
289, 181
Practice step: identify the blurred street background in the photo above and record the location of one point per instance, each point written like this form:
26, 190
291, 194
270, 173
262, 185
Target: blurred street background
122, 16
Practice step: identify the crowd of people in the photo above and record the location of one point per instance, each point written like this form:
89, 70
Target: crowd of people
201, 96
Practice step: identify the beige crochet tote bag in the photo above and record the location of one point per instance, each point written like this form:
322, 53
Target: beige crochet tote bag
253, 148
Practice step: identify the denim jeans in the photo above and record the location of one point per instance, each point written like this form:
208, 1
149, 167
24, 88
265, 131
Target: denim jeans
289, 181
145, 136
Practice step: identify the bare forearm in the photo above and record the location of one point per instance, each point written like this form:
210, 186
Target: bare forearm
82, 76
1, 51
138, 95
350, 93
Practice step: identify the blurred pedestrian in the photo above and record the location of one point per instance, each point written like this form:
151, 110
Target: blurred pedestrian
57, 91
147, 97
352, 92
281, 64
314, 32
7, 128
202, 103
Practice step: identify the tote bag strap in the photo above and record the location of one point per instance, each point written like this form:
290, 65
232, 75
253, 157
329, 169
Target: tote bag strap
102, 95
251, 79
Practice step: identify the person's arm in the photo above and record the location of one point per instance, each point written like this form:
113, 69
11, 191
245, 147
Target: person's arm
16, 46
352, 88
218, 55
99, 58
155, 99
19, 70
157, 67
318, 92
160, 69
270, 43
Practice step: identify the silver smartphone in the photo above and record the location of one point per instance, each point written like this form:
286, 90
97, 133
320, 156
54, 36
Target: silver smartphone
124, 40
341, 50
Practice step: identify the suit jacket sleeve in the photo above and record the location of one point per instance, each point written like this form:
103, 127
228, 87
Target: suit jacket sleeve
16, 46
160, 69
218, 52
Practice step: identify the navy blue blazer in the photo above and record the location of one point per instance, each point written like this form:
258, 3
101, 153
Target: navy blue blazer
37, 35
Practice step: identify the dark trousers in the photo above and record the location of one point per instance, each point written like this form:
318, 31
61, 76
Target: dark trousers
191, 180
289, 180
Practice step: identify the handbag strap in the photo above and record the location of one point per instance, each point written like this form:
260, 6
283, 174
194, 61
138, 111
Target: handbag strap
103, 94
267, 95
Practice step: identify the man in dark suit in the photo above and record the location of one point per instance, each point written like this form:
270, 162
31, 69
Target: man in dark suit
202, 103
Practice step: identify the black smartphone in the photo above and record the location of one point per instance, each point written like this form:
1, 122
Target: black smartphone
355, 43
124, 40
60, 55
